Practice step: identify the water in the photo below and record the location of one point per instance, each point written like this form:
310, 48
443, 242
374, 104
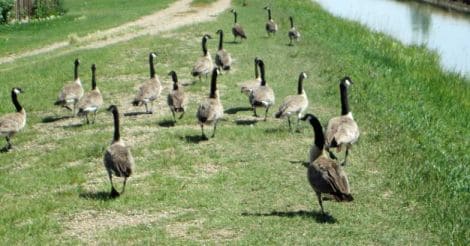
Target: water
413, 23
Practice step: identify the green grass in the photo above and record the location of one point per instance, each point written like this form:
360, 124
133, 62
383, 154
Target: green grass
408, 173
82, 17
201, 2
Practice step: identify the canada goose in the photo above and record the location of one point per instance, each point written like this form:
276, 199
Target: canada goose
150, 90
342, 130
271, 26
237, 30
118, 159
323, 173
92, 100
211, 110
223, 59
12, 123
203, 65
294, 104
247, 86
293, 33
72, 91
263, 95
177, 99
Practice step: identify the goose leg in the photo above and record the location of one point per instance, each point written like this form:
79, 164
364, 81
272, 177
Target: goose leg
181, 115
94, 117
288, 121
124, 185
298, 122
215, 128
202, 130
266, 113
321, 203
254, 111
87, 121
345, 156
173, 113
146, 108
8, 147
114, 192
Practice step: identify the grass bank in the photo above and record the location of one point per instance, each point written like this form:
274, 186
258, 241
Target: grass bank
408, 173
81, 18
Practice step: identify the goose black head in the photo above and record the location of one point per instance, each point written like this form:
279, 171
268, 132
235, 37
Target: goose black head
308, 117
93, 67
346, 81
77, 62
303, 75
112, 108
17, 90
219, 31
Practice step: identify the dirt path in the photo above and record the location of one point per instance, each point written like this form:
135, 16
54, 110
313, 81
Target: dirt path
176, 15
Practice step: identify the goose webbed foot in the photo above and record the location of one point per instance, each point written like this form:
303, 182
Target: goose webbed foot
114, 193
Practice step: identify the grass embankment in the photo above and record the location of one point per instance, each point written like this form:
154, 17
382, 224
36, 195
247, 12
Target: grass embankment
82, 17
408, 173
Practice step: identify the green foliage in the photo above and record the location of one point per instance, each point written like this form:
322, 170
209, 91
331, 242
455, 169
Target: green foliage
5, 8
46, 8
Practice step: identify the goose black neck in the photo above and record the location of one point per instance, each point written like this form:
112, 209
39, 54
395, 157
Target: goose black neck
318, 130
204, 46
344, 99
221, 38
269, 14
213, 84
291, 22
75, 71
93, 78
235, 17
152, 67
261, 69
14, 98
300, 86
175, 81
256, 70
117, 135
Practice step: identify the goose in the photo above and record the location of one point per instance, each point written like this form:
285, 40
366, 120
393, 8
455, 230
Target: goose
71, 92
263, 95
203, 65
271, 26
237, 30
223, 59
92, 100
177, 99
342, 130
293, 33
294, 104
150, 90
247, 86
12, 123
211, 110
118, 159
323, 173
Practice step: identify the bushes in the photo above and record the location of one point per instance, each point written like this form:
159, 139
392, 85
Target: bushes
36, 9
5, 8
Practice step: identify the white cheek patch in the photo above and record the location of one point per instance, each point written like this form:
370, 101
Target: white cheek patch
17, 91
153, 55
348, 83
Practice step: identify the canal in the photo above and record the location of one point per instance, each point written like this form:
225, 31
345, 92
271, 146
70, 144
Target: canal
447, 33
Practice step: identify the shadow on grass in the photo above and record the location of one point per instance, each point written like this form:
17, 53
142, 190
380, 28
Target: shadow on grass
245, 122
50, 119
99, 196
237, 109
71, 126
274, 130
318, 217
194, 138
304, 163
135, 113
166, 123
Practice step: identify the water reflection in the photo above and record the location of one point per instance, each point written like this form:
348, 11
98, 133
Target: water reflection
413, 23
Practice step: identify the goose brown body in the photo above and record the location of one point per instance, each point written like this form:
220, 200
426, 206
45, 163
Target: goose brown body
271, 26
92, 100
294, 104
177, 98
237, 29
150, 90
71, 92
223, 59
248, 86
12, 123
262, 95
211, 110
203, 65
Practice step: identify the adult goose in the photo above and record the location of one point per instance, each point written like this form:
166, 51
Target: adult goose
342, 130
118, 159
237, 29
177, 99
150, 90
223, 59
92, 100
271, 26
294, 104
203, 65
211, 110
324, 174
71, 92
12, 123
262, 95
293, 33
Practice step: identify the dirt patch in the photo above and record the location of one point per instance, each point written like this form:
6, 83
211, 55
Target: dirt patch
194, 230
179, 14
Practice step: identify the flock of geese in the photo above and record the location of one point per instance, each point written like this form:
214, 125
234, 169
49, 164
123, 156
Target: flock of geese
325, 172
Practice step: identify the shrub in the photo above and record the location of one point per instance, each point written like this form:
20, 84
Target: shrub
45, 8
5, 8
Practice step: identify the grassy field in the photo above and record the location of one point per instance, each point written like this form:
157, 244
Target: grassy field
409, 172
82, 17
